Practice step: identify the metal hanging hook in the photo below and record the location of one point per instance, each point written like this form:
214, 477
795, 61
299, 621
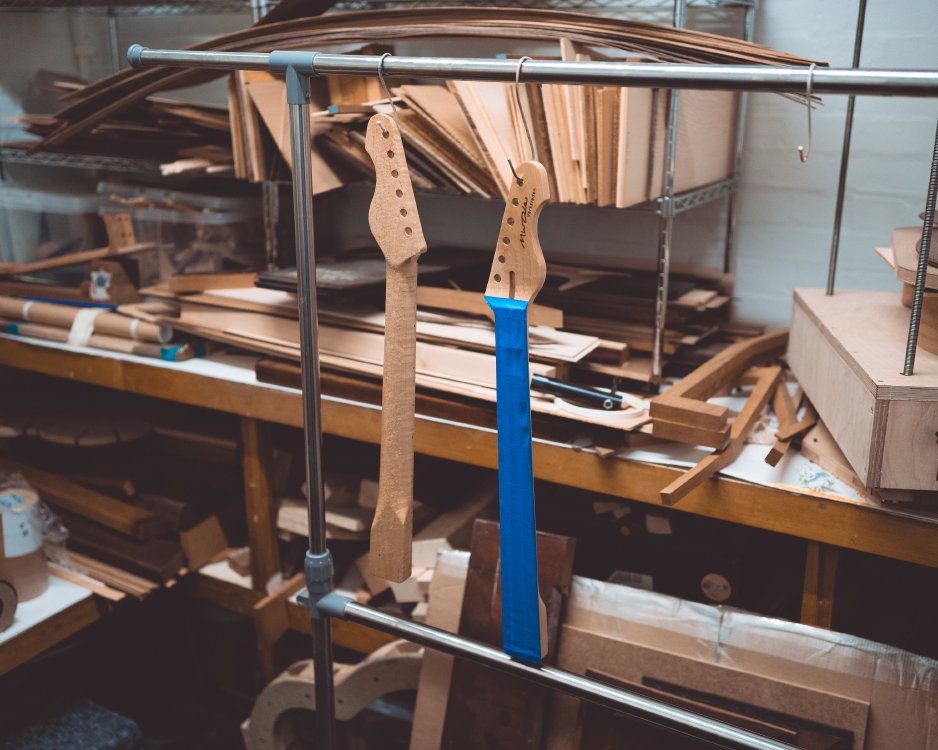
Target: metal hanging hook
805, 153
519, 180
524, 119
384, 85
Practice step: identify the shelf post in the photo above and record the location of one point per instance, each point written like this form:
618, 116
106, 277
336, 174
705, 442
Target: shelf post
845, 155
298, 67
666, 219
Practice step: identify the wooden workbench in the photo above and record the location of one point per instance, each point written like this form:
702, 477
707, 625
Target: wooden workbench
230, 386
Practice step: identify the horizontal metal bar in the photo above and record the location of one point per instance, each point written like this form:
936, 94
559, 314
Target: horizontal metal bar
644, 709
917, 83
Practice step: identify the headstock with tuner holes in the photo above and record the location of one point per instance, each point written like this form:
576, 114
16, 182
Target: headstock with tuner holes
392, 217
519, 270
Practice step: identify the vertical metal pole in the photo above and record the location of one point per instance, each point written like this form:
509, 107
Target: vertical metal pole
270, 199
923, 252
845, 155
666, 218
113, 42
318, 559
732, 206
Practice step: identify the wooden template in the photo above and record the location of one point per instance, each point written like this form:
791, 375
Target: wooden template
395, 225
766, 381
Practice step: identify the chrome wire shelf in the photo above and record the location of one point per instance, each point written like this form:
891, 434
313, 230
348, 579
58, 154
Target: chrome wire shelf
79, 161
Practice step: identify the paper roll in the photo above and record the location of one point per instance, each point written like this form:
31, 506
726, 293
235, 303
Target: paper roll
22, 560
63, 316
8, 602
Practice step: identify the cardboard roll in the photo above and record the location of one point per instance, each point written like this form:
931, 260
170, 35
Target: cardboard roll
22, 560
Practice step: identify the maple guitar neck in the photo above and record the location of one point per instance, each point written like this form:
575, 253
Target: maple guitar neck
517, 275
395, 225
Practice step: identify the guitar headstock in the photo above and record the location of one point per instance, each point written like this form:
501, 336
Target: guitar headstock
519, 270
393, 213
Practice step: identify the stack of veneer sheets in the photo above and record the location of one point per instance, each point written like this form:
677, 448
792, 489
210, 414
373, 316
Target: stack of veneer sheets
602, 145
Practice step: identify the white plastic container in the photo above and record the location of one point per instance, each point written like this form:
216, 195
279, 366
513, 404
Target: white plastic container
193, 232
37, 224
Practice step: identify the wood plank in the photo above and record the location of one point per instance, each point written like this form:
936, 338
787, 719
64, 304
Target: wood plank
48, 633
484, 703
63, 261
259, 506
107, 511
473, 303
820, 583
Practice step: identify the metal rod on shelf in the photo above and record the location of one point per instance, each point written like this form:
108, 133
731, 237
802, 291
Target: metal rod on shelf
637, 706
845, 155
788, 79
922, 269
732, 204
666, 218
318, 558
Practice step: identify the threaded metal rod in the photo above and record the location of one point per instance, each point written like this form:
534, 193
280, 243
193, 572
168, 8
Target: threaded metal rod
922, 269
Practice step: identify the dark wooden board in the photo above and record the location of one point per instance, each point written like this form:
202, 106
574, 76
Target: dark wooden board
487, 709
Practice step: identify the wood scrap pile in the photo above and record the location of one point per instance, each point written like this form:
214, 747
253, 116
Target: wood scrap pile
350, 508
579, 130
120, 527
181, 136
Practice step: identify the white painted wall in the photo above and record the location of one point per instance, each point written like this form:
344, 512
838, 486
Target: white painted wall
786, 208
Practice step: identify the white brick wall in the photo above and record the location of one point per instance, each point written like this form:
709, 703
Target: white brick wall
786, 208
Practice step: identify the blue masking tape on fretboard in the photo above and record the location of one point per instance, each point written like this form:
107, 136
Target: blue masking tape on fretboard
521, 630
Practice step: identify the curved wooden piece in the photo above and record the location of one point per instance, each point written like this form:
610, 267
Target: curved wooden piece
395, 225
390, 669
518, 269
685, 402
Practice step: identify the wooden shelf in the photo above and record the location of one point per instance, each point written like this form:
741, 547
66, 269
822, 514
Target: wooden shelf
878, 531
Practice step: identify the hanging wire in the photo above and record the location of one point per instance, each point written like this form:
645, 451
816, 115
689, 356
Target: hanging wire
384, 84
805, 153
524, 119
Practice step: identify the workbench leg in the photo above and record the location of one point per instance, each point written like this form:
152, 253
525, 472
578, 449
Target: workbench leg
259, 502
820, 579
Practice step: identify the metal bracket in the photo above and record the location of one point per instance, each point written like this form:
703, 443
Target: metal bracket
297, 67
318, 571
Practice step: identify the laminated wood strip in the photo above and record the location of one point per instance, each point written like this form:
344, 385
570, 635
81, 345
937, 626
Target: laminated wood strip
113, 514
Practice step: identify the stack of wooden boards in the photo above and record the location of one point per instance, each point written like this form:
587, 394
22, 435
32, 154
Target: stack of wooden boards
603, 145
350, 508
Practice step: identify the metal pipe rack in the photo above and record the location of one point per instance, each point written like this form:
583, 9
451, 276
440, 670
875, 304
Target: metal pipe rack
299, 67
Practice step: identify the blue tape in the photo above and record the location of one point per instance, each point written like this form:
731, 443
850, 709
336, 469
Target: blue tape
521, 629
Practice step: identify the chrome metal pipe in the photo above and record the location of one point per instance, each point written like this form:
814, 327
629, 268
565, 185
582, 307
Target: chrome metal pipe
639, 707
732, 205
666, 218
916, 83
845, 156
922, 269
300, 144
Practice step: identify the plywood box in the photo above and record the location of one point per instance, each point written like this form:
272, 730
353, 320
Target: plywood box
847, 351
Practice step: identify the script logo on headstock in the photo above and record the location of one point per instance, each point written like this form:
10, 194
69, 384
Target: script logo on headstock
526, 209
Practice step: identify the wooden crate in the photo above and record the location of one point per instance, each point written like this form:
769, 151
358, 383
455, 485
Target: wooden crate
847, 351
